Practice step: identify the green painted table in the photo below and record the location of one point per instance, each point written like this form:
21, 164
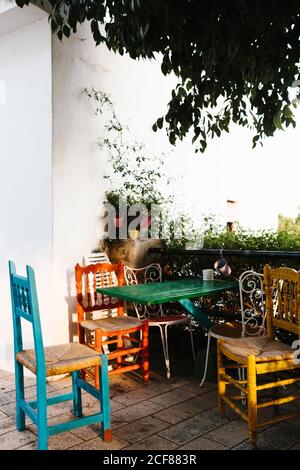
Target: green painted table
172, 291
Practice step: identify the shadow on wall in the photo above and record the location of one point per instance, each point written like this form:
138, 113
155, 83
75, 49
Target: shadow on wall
71, 301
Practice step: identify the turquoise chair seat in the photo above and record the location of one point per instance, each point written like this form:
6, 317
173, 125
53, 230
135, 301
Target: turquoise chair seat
49, 361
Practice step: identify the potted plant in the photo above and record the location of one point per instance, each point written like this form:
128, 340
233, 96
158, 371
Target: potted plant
113, 198
136, 175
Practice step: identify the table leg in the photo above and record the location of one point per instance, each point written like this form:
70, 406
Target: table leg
196, 312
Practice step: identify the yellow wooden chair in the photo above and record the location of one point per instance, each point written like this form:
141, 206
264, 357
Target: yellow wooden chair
263, 355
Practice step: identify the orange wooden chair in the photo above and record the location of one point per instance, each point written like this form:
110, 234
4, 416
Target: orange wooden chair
96, 325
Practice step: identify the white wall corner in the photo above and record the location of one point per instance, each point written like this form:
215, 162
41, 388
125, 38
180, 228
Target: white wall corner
26, 188
13, 17
6, 5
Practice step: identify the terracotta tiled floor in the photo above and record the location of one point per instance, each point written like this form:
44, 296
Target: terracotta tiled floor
162, 415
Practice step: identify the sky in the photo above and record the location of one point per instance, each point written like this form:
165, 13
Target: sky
265, 180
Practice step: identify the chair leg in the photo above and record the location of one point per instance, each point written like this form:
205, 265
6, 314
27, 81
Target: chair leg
252, 400
221, 381
275, 395
81, 334
119, 346
164, 340
241, 376
83, 340
105, 399
192, 340
145, 351
42, 427
98, 346
77, 402
105, 347
19, 378
206, 359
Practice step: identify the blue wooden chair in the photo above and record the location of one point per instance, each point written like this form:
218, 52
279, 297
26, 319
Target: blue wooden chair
49, 361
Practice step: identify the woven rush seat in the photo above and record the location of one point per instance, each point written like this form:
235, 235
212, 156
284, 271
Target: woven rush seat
231, 330
112, 324
227, 330
263, 348
168, 318
61, 359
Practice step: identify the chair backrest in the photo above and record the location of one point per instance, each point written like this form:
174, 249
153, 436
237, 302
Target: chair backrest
94, 258
89, 278
282, 287
100, 257
252, 300
25, 306
144, 275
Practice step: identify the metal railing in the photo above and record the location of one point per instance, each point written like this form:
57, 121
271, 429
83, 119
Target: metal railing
216, 252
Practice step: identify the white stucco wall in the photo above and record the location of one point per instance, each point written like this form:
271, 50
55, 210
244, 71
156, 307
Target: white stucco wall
78, 166
6, 5
25, 162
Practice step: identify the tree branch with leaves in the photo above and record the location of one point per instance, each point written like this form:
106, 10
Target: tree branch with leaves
234, 60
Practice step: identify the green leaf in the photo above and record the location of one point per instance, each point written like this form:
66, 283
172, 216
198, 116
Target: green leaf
287, 112
172, 138
203, 145
160, 122
182, 92
277, 120
66, 31
21, 3
189, 85
255, 140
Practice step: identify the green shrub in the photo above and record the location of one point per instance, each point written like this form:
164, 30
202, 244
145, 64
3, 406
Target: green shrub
191, 265
246, 240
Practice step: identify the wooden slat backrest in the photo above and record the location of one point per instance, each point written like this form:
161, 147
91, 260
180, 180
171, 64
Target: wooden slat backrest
25, 305
100, 257
282, 286
88, 278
